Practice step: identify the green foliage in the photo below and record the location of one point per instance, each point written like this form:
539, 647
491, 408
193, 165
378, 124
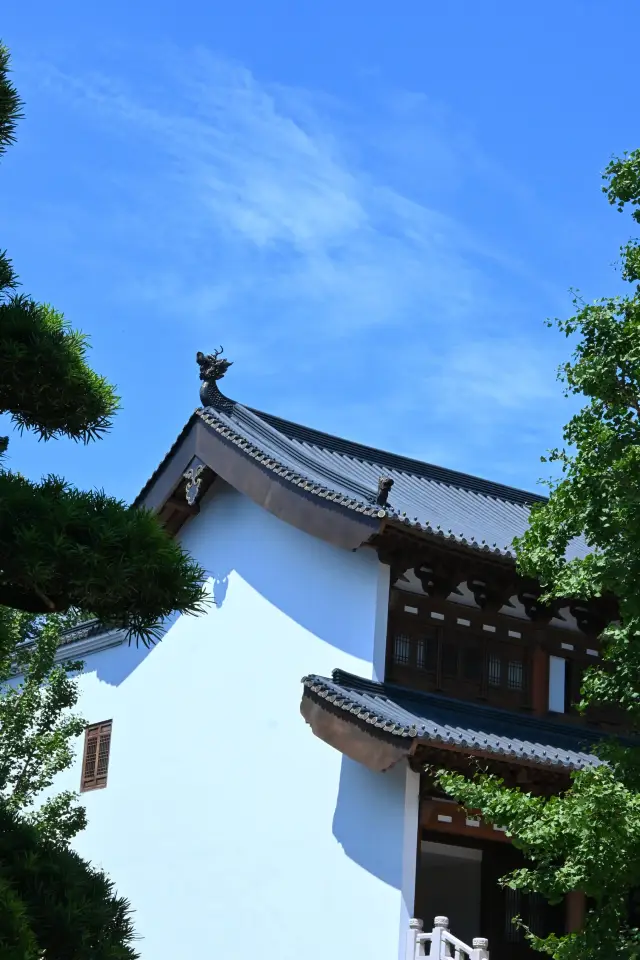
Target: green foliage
53, 904
588, 839
38, 729
10, 105
64, 548
598, 495
46, 384
61, 548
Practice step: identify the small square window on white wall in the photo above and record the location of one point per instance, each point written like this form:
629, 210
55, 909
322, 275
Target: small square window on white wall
557, 679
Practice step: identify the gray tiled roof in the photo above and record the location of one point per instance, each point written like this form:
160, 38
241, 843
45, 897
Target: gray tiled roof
455, 506
437, 719
88, 628
290, 460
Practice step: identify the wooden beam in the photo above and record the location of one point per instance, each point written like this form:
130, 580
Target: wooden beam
539, 680
443, 816
576, 909
442, 564
182, 506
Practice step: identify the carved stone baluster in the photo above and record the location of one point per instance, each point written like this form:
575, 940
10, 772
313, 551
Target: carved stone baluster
480, 949
438, 943
415, 948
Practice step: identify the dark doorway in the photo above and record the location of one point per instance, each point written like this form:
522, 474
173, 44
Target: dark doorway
449, 883
458, 878
500, 906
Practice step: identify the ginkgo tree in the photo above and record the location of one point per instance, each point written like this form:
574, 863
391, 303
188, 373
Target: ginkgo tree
39, 725
588, 838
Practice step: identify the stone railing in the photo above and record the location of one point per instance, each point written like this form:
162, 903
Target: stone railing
439, 944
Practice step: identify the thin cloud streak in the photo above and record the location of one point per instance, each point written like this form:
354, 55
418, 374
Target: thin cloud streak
257, 212
278, 193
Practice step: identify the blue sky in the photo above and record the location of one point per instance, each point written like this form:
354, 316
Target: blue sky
373, 208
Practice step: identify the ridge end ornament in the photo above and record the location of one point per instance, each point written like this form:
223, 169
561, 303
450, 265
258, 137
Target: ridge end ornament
213, 367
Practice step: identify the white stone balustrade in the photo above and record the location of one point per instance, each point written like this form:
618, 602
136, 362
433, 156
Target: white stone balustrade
440, 944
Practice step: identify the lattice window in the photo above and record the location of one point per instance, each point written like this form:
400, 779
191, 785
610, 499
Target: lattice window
495, 671
537, 915
419, 652
464, 657
515, 675
95, 761
401, 648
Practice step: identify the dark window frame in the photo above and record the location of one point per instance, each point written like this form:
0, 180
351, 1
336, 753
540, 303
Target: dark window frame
498, 631
465, 662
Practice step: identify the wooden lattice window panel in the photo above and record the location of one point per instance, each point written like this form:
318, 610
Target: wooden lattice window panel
460, 653
95, 761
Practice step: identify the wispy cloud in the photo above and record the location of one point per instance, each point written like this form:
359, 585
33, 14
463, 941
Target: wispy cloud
318, 234
256, 168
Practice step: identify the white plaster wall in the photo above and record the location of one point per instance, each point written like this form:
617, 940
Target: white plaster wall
230, 827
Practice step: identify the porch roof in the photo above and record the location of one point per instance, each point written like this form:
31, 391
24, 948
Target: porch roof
406, 717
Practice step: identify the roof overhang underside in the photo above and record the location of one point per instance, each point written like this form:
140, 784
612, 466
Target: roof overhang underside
380, 724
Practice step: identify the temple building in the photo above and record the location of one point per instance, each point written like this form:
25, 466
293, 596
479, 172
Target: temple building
256, 782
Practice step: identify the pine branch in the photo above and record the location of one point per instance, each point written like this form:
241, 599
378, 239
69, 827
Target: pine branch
10, 103
57, 544
46, 384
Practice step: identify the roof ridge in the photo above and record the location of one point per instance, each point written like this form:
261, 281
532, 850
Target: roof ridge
399, 461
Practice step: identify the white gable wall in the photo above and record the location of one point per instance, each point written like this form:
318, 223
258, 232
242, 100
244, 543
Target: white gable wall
230, 827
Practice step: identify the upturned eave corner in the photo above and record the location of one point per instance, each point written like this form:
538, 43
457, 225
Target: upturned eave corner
376, 753
202, 453
222, 439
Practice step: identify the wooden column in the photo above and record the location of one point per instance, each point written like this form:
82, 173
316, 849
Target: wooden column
575, 909
539, 678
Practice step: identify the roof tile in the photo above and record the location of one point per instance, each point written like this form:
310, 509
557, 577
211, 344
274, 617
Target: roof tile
437, 719
488, 516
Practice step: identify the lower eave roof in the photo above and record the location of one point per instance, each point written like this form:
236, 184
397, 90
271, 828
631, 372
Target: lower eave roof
432, 719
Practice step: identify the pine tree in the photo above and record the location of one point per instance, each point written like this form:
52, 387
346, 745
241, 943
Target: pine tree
61, 551
62, 548
55, 905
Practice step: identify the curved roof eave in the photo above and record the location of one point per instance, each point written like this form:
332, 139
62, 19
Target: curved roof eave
302, 475
288, 493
